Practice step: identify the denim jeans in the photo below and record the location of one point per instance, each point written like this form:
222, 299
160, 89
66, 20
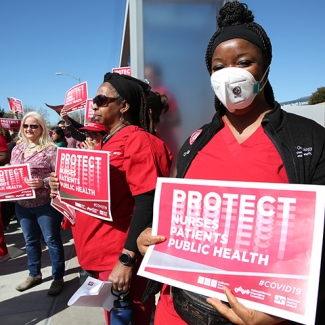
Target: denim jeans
47, 221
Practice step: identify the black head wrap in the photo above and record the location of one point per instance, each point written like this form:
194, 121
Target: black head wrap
238, 31
127, 87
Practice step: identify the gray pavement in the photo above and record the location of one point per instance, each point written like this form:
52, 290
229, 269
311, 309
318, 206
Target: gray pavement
35, 306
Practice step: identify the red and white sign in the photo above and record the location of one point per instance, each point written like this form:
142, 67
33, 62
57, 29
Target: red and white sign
262, 240
65, 209
15, 105
122, 70
12, 185
75, 98
89, 113
84, 181
10, 124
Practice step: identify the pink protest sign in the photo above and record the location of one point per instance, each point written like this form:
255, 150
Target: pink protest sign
122, 70
84, 181
261, 240
65, 209
75, 98
89, 112
10, 124
12, 185
15, 105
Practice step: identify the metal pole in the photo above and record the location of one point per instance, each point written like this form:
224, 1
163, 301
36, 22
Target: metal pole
136, 38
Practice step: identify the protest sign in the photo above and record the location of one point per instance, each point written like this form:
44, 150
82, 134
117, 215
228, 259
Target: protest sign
93, 293
15, 105
12, 185
65, 209
10, 124
84, 181
89, 112
75, 98
262, 240
122, 70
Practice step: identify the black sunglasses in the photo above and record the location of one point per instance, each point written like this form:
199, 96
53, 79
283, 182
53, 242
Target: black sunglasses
102, 100
32, 126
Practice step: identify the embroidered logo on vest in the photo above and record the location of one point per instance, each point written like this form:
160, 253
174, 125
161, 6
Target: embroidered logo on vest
194, 136
304, 152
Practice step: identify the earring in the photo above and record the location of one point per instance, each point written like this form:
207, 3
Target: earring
122, 118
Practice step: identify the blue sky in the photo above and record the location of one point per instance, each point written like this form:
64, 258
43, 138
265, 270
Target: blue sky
39, 38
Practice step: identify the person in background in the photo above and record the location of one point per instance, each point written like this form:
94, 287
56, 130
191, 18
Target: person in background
94, 132
16, 114
58, 137
250, 139
168, 127
158, 105
4, 159
138, 157
9, 139
36, 216
7, 207
71, 127
72, 142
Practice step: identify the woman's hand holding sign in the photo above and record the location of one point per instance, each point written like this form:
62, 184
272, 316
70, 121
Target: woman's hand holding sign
34, 183
54, 185
239, 314
146, 239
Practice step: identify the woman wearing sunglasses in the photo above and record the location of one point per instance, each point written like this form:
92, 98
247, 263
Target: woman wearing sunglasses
137, 158
37, 216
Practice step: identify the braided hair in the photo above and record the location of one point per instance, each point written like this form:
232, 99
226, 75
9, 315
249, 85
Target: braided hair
232, 14
143, 115
140, 113
157, 104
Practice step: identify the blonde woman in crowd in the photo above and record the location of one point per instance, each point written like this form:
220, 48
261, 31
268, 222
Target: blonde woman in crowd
36, 216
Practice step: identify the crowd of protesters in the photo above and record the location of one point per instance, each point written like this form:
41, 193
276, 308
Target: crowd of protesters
126, 116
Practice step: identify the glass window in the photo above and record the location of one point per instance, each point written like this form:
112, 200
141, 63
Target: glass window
176, 35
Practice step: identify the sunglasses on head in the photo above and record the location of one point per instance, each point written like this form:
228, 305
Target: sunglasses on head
102, 100
31, 126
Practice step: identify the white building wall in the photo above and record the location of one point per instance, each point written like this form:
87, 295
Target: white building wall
314, 112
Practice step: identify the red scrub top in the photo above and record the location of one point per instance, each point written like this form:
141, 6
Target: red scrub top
254, 160
137, 158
